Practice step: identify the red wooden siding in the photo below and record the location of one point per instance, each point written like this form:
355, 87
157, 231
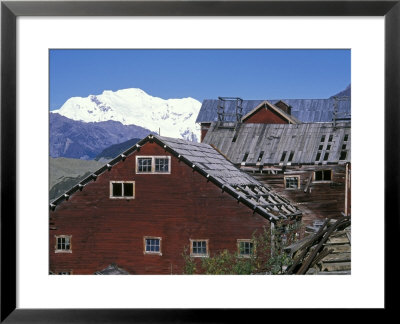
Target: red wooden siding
176, 207
265, 116
204, 129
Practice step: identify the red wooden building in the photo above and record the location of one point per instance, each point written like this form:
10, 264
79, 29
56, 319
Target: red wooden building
139, 212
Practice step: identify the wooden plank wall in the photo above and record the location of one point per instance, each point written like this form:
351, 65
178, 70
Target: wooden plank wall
176, 207
321, 200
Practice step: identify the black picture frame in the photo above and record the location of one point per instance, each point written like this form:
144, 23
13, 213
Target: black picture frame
10, 10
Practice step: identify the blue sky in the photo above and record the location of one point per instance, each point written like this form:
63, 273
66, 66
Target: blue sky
200, 74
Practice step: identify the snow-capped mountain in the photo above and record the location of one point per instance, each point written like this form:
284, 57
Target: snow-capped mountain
174, 117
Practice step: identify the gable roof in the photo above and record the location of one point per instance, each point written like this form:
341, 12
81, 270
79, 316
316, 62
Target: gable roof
205, 160
304, 140
112, 269
267, 105
305, 110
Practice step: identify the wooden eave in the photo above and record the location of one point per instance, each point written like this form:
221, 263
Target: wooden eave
251, 201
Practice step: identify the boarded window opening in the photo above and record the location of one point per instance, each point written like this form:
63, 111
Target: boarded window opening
320, 147
344, 146
246, 155
291, 156
326, 156
328, 147
323, 138
346, 137
330, 138
260, 156
343, 155
318, 156
283, 156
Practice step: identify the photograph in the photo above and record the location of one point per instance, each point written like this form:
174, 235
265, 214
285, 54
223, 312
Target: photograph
199, 161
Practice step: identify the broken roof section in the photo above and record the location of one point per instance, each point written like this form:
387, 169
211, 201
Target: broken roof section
305, 110
112, 269
326, 252
205, 160
267, 105
274, 144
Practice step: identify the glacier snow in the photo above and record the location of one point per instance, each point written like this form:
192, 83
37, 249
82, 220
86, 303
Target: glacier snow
172, 117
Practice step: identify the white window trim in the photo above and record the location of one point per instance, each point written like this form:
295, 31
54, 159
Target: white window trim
291, 176
122, 197
198, 255
153, 163
63, 251
152, 238
238, 241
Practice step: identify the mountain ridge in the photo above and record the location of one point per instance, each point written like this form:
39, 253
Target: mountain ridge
132, 106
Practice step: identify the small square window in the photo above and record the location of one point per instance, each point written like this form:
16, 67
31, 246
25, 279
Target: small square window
292, 182
117, 189
152, 245
162, 164
144, 164
63, 243
199, 248
245, 248
323, 175
122, 189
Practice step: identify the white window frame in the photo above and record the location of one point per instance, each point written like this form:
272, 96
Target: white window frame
199, 255
122, 197
153, 163
292, 176
152, 238
56, 250
238, 241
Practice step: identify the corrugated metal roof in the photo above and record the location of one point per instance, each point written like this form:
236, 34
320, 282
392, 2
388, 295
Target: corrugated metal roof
304, 140
306, 110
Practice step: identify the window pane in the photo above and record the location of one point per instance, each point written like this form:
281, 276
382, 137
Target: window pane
161, 165
318, 175
117, 189
292, 182
327, 175
199, 247
144, 164
128, 189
